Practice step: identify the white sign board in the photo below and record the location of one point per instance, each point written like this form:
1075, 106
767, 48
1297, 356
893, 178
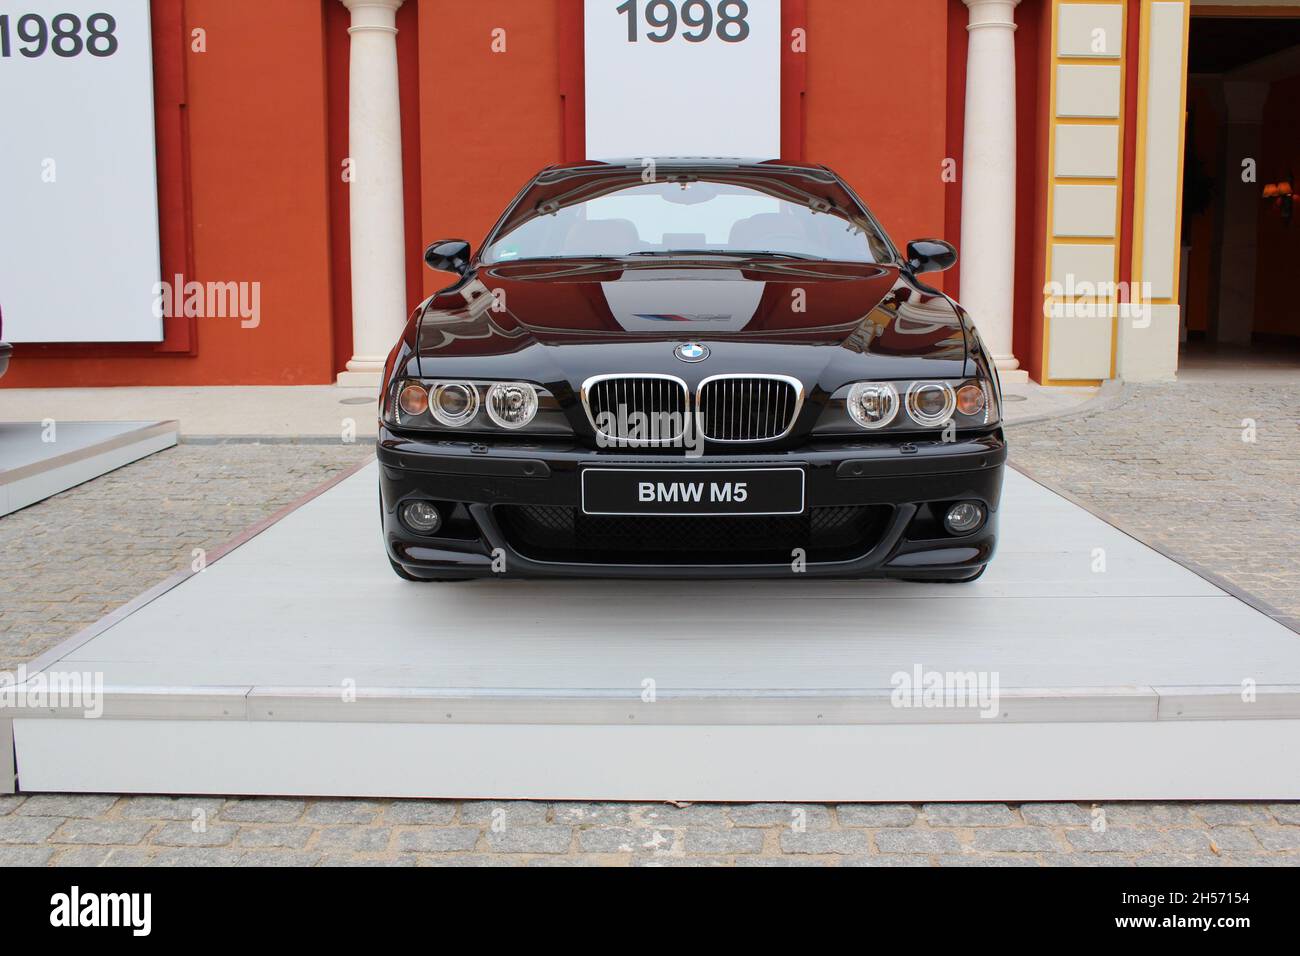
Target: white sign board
78, 176
683, 78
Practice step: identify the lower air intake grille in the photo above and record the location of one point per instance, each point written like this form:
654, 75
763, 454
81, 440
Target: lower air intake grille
551, 533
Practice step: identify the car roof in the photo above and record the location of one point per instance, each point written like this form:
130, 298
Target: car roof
717, 162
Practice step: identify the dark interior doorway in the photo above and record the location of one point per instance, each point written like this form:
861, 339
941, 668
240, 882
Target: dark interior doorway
1241, 237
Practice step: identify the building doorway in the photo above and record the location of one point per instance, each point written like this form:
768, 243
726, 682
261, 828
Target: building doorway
1241, 234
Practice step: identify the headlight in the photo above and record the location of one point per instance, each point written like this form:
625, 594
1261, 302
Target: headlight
511, 404
474, 406
923, 405
454, 403
873, 404
930, 403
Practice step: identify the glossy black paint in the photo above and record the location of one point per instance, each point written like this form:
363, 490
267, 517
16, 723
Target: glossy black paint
556, 323
930, 255
448, 255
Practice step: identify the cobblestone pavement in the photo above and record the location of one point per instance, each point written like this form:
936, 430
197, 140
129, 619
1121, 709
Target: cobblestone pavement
162, 831
1210, 472
1167, 462
69, 560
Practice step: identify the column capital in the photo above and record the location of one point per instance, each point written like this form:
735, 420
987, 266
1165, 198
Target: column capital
375, 15
991, 13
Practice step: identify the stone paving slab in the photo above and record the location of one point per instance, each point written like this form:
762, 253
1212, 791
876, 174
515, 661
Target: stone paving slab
144, 831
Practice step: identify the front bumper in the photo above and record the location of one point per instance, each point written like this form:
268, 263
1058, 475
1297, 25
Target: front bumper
895, 486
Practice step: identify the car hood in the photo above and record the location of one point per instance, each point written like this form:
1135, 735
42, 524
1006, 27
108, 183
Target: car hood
564, 321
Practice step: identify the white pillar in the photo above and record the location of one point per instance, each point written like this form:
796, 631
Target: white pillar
988, 191
375, 192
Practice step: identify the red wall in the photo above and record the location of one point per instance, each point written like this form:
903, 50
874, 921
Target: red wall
878, 98
256, 117
488, 121
876, 106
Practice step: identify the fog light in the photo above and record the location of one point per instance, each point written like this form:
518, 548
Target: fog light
421, 517
964, 517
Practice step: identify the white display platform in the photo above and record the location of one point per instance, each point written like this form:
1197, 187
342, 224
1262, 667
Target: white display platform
33, 468
300, 664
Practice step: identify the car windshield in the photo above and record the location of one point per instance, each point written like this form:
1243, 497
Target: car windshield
697, 217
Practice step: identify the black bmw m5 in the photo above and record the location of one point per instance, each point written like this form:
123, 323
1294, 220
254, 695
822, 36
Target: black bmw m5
690, 368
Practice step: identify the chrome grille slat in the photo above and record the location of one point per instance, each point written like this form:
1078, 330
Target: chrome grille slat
739, 408
623, 396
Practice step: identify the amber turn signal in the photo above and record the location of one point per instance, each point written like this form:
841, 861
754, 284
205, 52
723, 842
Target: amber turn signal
414, 399
970, 399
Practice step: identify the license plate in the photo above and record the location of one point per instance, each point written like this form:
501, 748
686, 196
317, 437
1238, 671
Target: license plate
681, 491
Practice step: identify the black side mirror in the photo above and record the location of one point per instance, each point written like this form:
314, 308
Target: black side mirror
448, 255
930, 255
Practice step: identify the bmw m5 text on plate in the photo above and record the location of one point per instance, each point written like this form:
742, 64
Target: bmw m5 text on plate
696, 368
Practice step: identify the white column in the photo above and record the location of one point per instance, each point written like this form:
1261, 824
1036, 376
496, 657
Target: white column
375, 192
988, 191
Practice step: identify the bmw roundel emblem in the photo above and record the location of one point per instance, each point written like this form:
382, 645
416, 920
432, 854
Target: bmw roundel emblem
692, 352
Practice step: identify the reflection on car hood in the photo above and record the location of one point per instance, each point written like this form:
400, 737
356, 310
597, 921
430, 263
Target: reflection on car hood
569, 319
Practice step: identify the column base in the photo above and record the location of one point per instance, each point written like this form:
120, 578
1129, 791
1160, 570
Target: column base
350, 379
1009, 370
362, 372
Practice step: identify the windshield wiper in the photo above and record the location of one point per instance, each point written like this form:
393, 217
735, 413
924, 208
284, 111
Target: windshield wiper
733, 253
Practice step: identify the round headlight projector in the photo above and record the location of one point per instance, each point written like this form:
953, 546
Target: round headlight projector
930, 403
512, 404
964, 517
454, 403
873, 404
421, 517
